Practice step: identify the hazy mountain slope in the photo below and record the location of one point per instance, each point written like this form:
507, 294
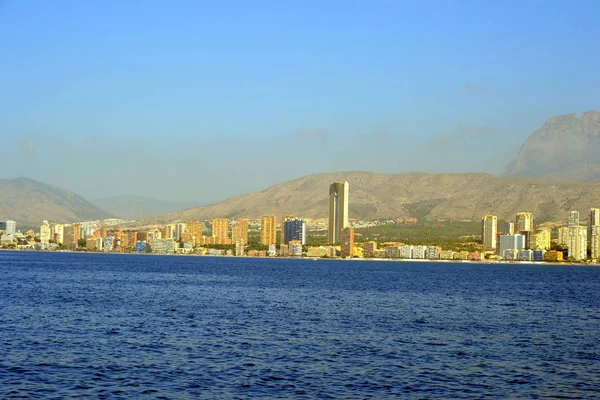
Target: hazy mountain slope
431, 196
30, 202
136, 207
565, 148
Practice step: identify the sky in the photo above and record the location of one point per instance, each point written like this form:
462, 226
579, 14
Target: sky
203, 100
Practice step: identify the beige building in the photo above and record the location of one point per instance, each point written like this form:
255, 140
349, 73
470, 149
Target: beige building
524, 225
45, 233
541, 240
220, 230
72, 233
243, 224
563, 236
577, 243
595, 242
489, 232
347, 242
268, 230
338, 210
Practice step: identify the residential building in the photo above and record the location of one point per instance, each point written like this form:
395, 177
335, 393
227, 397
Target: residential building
510, 254
593, 220
196, 229
511, 228
57, 232
539, 255
282, 227
72, 233
433, 252
294, 229
563, 236
243, 224
595, 242
391, 252
461, 255
272, 250
163, 246
338, 210
406, 251
511, 242
541, 240
369, 248
9, 227
553, 255
236, 234
347, 242
180, 228
524, 226
577, 243
475, 256
525, 255
268, 230
446, 255
220, 230
45, 233
295, 248
419, 252
489, 232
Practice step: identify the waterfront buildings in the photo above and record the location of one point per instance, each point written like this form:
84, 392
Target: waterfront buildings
593, 220
511, 242
10, 227
563, 236
45, 235
268, 230
369, 249
72, 234
577, 238
57, 232
524, 226
347, 242
180, 228
489, 232
595, 242
338, 210
541, 240
243, 224
220, 230
294, 229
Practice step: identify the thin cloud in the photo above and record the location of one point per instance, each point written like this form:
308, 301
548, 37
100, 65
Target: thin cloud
380, 135
473, 88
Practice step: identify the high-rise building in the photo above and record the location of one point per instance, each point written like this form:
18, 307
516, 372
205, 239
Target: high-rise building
511, 242
220, 230
593, 220
541, 240
577, 243
573, 218
268, 230
196, 229
369, 249
347, 242
45, 235
294, 229
72, 234
57, 232
283, 220
524, 226
511, 228
338, 210
10, 227
595, 242
236, 234
243, 224
489, 232
563, 236
180, 228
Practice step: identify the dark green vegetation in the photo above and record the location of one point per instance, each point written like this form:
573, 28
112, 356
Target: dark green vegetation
452, 235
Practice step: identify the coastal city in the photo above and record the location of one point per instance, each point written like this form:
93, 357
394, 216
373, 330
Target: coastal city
287, 236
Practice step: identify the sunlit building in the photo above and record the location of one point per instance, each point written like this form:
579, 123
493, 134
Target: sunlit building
268, 230
220, 230
524, 226
338, 210
489, 232
347, 242
72, 233
294, 229
45, 233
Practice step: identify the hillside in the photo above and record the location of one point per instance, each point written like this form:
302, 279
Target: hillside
29, 202
428, 196
137, 207
565, 148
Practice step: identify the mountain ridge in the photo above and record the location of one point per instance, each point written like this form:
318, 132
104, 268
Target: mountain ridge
415, 194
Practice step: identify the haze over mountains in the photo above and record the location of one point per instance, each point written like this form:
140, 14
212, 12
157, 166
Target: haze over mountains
29, 202
565, 152
429, 196
137, 207
566, 147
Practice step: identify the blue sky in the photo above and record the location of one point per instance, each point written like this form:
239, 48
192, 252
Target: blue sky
194, 100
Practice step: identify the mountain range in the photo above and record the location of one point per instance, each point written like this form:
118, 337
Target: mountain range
429, 196
29, 202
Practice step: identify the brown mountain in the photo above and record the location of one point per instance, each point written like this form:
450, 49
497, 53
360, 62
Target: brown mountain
565, 148
429, 196
29, 202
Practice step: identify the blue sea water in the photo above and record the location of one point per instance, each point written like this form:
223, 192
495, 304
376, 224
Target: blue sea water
127, 326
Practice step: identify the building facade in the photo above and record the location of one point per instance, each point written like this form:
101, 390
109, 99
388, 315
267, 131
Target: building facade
347, 242
338, 210
294, 229
268, 230
220, 230
489, 232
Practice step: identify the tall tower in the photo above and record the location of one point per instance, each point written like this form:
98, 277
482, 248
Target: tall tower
338, 210
268, 230
524, 226
593, 220
220, 230
243, 224
489, 230
577, 238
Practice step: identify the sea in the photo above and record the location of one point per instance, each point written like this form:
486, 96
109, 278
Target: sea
76, 325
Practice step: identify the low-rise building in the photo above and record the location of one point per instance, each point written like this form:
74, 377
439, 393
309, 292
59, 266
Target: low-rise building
392, 252
433, 252
295, 248
419, 252
446, 255
369, 249
525, 255
475, 256
461, 255
164, 246
538, 255
510, 254
406, 251
553, 256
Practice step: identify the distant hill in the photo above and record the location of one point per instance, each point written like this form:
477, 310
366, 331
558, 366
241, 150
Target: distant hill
29, 202
428, 196
565, 148
137, 207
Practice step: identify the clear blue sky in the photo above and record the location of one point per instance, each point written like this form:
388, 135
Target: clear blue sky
195, 100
